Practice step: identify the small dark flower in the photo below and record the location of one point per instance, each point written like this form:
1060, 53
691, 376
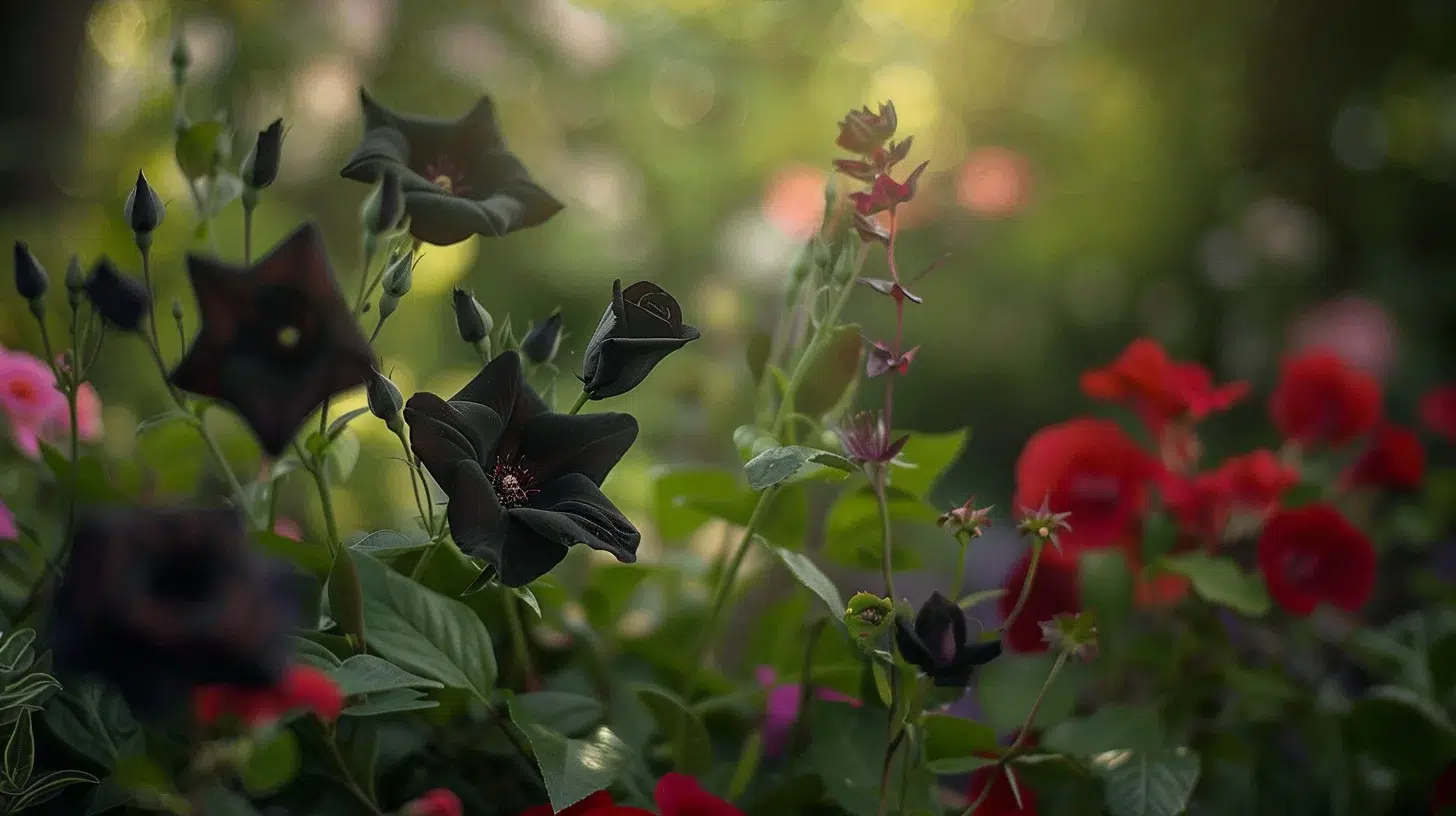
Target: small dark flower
887, 194
865, 438
864, 131
383, 397
968, 519
882, 360
542, 341
277, 338
471, 319
937, 644
121, 301
144, 209
642, 326
524, 483
31, 280
385, 206
459, 178
260, 168
160, 600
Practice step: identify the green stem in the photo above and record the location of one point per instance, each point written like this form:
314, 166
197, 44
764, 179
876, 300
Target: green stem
146, 252
960, 576
816, 346
1036, 549
887, 569
247, 231
426, 514
326, 500
580, 403
519, 644
1025, 731
213, 447
419, 568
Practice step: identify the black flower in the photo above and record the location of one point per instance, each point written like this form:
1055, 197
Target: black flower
260, 167
277, 338
121, 301
458, 176
158, 600
524, 483
937, 645
643, 325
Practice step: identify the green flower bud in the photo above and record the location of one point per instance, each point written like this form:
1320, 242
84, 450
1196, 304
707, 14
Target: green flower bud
384, 207
400, 275
868, 617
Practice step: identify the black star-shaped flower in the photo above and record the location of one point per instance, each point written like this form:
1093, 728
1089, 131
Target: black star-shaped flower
458, 176
277, 338
937, 644
524, 483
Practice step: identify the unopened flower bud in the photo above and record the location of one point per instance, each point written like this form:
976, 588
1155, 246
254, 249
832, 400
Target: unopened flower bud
471, 318
144, 210
120, 300
260, 167
400, 275
1042, 524
181, 61
542, 342
385, 400
968, 519
385, 206
75, 282
867, 617
31, 280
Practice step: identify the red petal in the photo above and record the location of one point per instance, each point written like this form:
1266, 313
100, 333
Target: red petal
680, 795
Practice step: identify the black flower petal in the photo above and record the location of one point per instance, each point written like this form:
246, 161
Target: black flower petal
277, 338
260, 167
121, 301
458, 176
937, 644
157, 601
642, 326
524, 483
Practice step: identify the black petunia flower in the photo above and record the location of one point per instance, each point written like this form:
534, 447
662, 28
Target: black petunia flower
121, 301
458, 176
159, 600
277, 338
937, 645
643, 325
524, 483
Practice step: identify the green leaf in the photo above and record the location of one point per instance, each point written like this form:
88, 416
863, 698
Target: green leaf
953, 744
525, 594
424, 632
390, 702
197, 153
1141, 784
1402, 730
1009, 685
152, 423
387, 543
1110, 728
273, 764
573, 769
778, 464
14, 648
342, 421
854, 530
311, 558
692, 751
1219, 580
223, 189
814, 580
313, 653
342, 454
367, 674
984, 596
558, 711
31, 690
833, 373
219, 801
47, 787
95, 722
93, 485
684, 498
19, 754
140, 773
1160, 533
847, 752
610, 594
931, 455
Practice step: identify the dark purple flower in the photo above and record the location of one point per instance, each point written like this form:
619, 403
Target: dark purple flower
640, 328
937, 644
865, 438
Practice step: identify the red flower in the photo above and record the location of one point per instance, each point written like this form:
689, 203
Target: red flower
886, 193
1394, 460
1158, 388
437, 802
1321, 399
882, 360
1001, 801
1054, 591
1312, 554
1438, 411
303, 687
598, 804
676, 795
1091, 469
1253, 482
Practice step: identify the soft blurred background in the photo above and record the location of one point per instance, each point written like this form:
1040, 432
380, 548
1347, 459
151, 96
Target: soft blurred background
1232, 178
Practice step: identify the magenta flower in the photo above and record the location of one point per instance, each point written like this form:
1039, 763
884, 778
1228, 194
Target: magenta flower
8, 530
781, 710
28, 398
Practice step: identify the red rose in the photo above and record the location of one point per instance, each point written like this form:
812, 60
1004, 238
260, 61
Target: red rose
303, 687
1054, 591
1321, 399
1253, 482
1001, 801
598, 804
1091, 469
1438, 411
1394, 460
1158, 388
437, 802
1312, 554
676, 795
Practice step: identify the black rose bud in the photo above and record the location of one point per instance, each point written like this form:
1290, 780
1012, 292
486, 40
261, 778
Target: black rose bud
938, 646
385, 206
642, 326
160, 600
144, 209
470, 317
385, 400
121, 301
260, 168
75, 282
31, 280
542, 342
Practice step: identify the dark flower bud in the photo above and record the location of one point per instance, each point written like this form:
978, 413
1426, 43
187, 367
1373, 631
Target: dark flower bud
120, 300
400, 275
385, 400
385, 206
471, 318
144, 209
181, 61
75, 282
31, 280
542, 342
260, 168
938, 644
640, 328
863, 131
967, 519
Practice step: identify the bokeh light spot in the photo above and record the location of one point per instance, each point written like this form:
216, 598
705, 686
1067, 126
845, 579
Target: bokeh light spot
916, 97
440, 268
994, 182
794, 201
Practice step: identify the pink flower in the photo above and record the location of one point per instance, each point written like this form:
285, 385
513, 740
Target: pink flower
28, 398
782, 709
288, 528
88, 417
8, 530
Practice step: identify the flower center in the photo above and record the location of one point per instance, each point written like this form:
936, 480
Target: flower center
512, 481
448, 176
21, 390
947, 652
1095, 488
1300, 568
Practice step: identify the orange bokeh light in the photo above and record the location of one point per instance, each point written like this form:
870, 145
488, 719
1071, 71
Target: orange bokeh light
994, 182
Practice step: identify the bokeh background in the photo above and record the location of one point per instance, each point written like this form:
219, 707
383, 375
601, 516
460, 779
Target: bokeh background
1233, 178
